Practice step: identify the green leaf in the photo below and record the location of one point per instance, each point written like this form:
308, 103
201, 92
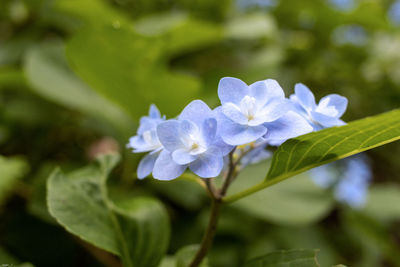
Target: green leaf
130, 70
288, 258
185, 256
301, 202
317, 148
11, 169
136, 229
47, 71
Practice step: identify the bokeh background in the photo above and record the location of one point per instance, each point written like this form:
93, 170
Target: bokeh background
76, 76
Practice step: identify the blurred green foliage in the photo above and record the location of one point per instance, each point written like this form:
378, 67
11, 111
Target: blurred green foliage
76, 75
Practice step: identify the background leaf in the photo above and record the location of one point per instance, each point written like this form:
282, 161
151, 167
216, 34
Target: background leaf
12, 169
136, 229
49, 75
125, 67
288, 258
381, 202
184, 34
296, 201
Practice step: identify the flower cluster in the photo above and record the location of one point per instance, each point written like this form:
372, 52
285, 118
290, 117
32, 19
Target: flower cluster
250, 116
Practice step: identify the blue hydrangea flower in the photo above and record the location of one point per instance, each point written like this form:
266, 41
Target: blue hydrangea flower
146, 140
288, 126
349, 178
191, 141
326, 114
260, 110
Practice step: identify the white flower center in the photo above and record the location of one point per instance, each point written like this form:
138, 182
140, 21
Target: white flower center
248, 107
194, 144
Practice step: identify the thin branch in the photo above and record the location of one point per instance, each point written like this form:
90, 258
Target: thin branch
209, 234
211, 188
229, 176
217, 197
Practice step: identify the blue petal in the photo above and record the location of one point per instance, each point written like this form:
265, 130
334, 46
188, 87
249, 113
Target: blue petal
154, 113
233, 112
221, 118
338, 101
138, 144
209, 131
232, 90
196, 111
169, 135
165, 168
208, 165
236, 134
187, 128
288, 126
296, 107
274, 89
340, 123
304, 96
146, 165
182, 156
259, 91
325, 120
136, 141
147, 124
273, 110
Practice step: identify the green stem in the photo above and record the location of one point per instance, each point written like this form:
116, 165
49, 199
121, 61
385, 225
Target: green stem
218, 197
229, 176
209, 234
